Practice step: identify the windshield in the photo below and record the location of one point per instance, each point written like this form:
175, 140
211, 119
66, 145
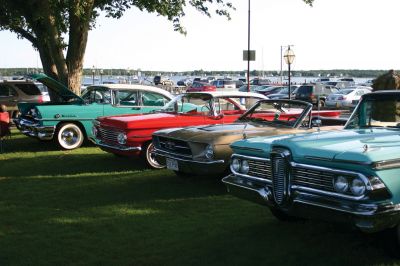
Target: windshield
190, 103
377, 111
278, 113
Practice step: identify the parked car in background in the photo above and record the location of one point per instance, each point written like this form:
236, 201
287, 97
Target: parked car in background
245, 88
349, 176
224, 84
130, 135
13, 92
347, 97
67, 119
284, 93
339, 84
268, 89
198, 86
205, 149
314, 93
260, 81
350, 81
184, 82
160, 80
239, 83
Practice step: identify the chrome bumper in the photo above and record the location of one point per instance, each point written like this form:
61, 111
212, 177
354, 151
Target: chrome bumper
114, 147
33, 129
368, 217
190, 165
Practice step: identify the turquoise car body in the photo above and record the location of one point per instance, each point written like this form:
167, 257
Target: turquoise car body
351, 175
43, 120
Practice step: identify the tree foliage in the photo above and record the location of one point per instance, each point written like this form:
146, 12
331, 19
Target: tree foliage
58, 29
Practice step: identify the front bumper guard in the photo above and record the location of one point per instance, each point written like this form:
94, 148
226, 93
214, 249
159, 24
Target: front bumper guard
162, 153
114, 147
368, 217
34, 129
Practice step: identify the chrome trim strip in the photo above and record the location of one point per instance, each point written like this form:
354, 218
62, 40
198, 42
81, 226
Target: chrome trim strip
250, 157
326, 193
247, 149
118, 148
171, 153
386, 164
160, 153
337, 160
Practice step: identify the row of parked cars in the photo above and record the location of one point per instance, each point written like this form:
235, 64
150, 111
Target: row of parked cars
281, 153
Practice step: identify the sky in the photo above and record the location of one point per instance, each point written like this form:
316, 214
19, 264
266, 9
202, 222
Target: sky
339, 34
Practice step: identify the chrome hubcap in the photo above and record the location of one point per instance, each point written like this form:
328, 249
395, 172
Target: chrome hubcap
70, 136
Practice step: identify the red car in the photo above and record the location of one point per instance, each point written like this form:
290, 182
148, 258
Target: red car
201, 86
132, 134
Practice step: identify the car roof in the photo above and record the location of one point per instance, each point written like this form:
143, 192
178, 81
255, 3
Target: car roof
133, 87
231, 94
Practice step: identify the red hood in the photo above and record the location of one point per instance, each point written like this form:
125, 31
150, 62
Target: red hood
158, 120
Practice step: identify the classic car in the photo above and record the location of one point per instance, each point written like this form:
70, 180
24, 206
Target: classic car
205, 149
68, 118
131, 135
350, 175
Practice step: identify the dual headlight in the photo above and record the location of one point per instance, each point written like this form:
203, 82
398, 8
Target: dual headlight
345, 185
121, 138
209, 152
240, 166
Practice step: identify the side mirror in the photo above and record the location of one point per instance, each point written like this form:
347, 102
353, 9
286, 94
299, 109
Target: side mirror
219, 116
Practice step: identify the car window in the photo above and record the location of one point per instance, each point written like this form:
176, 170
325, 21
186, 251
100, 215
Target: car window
305, 89
4, 91
28, 88
98, 95
126, 97
153, 99
344, 92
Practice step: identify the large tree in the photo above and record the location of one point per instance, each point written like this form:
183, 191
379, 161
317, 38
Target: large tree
58, 29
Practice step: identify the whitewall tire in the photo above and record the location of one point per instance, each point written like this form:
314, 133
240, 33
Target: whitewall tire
69, 136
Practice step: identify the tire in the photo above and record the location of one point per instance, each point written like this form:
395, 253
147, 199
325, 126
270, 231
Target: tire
282, 216
149, 157
69, 136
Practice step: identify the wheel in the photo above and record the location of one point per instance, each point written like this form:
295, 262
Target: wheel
149, 157
282, 216
69, 136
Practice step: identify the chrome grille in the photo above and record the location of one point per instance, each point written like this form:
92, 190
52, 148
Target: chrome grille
260, 169
279, 177
311, 178
177, 147
108, 135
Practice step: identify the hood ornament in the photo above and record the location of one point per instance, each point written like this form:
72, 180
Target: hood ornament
365, 148
244, 131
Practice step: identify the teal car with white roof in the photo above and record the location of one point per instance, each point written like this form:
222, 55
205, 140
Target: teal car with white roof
68, 118
351, 175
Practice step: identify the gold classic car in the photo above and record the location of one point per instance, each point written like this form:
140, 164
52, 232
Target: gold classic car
205, 149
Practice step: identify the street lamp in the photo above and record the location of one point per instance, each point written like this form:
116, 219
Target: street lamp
289, 58
93, 72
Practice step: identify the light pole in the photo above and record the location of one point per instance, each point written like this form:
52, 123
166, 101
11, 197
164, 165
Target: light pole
289, 58
101, 76
248, 51
93, 72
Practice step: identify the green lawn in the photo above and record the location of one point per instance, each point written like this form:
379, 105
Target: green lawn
88, 207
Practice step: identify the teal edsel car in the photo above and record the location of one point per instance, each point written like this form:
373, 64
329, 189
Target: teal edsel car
67, 118
351, 175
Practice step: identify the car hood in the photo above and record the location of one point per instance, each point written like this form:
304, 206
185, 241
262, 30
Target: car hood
358, 146
139, 121
58, 88
221, 134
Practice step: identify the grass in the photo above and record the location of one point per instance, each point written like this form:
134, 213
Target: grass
87, 207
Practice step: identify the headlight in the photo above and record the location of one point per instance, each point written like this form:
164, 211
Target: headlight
121, 138
235, 164
357, 187
244, 169
209, 152
341, 184
94, 131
